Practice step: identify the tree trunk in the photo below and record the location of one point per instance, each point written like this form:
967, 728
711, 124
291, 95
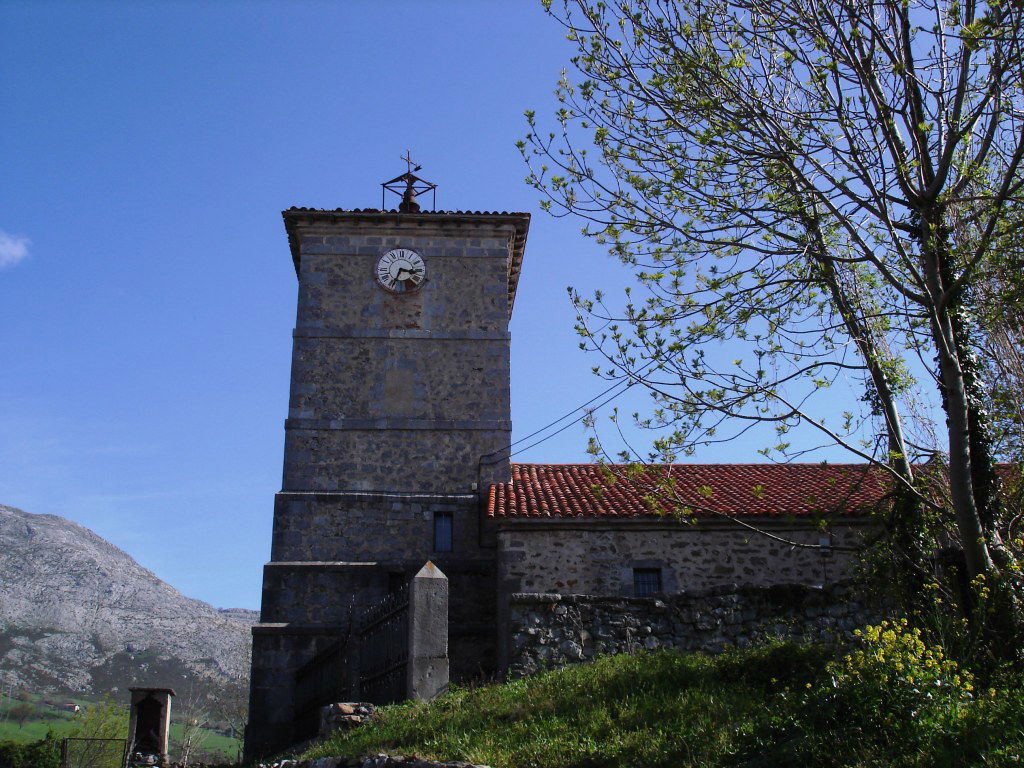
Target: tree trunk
861, 336
979, 562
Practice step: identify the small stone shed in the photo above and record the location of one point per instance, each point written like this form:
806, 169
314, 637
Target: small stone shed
586, 529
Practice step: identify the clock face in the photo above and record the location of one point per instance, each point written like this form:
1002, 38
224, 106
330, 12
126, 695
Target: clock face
401, 270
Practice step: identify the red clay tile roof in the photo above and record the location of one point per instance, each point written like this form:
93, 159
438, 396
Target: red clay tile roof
540, 491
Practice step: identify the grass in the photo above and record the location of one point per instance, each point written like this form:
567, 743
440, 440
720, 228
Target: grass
35, 729
37, 726
211, 742
63, 724
658, 709
777, 706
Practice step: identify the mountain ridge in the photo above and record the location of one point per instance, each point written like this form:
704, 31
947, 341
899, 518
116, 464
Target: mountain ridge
80, 615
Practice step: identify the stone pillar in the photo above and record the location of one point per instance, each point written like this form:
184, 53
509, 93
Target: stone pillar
149, 726
427, 671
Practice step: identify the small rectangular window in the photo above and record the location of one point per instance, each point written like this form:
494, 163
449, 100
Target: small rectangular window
646, 581
442, 531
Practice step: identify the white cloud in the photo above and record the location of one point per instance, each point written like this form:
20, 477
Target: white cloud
13, 249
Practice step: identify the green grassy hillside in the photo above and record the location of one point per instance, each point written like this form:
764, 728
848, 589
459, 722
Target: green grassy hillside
43, 719
784, 705
34, 730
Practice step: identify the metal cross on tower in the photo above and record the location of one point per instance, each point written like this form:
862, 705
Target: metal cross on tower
408, 162
407, 186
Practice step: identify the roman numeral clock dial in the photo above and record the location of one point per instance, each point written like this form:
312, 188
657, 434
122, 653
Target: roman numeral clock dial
401, 270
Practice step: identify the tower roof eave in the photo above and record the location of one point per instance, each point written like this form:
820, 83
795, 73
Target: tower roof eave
520, 222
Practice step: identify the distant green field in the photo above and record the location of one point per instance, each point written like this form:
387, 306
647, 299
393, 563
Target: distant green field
63, 723
213, 742
34, 729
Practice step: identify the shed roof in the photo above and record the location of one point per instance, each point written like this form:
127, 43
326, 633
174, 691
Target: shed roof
559, 491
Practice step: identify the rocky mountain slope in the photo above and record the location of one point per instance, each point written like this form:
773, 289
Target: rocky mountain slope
79, 615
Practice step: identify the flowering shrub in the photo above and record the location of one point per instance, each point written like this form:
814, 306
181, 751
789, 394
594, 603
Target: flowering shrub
894, 683
893, 699
893, 656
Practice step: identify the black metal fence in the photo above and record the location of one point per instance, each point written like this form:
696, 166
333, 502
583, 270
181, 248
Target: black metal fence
322, 680
369, 664
384, 649
93, 753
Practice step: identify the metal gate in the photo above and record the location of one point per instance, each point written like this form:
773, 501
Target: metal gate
323, 680
381, 642
384, 649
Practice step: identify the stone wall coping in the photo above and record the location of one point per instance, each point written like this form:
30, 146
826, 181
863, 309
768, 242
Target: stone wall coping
398, 422
286, 628
322, 564
470, 565
777, 591
352, 332
359, 220
408, 496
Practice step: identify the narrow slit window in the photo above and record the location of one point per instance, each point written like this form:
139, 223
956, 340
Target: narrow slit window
442, 531
646, 581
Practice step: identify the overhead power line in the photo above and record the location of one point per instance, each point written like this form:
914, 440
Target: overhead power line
625, 384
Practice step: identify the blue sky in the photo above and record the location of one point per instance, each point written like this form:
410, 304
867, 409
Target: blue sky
147, 294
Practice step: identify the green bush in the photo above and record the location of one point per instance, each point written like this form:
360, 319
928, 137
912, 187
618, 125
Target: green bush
893, 700
44, 753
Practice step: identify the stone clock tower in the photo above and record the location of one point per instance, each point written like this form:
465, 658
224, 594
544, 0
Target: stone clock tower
398, 421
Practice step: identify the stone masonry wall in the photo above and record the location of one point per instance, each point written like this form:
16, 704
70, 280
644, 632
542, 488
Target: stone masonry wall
466, 287
370, 527
399, 393
391, 458
394, 403
550, 630
461, 380
597, 558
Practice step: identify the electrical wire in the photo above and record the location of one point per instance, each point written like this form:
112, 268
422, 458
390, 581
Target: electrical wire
567, 415
574, 421
624, 383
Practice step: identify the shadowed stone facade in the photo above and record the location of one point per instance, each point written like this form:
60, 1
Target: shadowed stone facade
399, 412
598, 558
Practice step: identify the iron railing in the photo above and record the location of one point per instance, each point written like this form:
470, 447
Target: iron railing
323, 679
380, 638
384, 649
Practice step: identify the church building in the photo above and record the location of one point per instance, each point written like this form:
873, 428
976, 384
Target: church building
397, 446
